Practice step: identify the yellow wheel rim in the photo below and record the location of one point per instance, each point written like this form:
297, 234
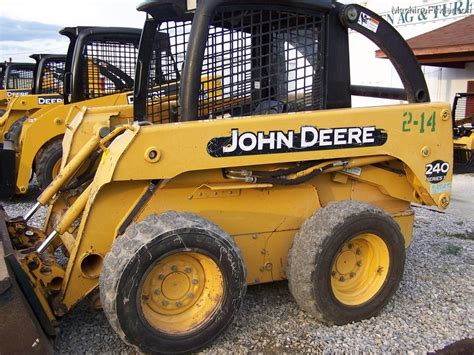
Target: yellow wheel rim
359, 269
181, 292
56, 168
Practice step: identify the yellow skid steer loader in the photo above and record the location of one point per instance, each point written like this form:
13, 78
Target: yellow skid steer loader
99, 71
3, 66
16, 80
47, 83
463, 123
261, 172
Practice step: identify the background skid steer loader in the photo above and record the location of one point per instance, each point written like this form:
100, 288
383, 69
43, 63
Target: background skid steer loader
269, 175
100, 69
17, 80
463, 123
3, 66
47, 83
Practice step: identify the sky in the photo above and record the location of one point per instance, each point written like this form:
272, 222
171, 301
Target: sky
31, 26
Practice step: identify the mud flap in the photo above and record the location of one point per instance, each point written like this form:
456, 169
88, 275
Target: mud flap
20, 330
7, 173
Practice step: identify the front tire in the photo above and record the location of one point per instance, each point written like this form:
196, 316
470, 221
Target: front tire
172, 283
346, 262
48, 163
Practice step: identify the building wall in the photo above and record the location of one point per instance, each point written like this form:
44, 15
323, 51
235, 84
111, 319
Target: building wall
445, 82
410, 18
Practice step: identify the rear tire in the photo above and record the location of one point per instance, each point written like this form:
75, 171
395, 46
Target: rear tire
463, 161
172, 283
14, 132
346, 262
48, 163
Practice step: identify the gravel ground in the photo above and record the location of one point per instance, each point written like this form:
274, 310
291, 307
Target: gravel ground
433, 307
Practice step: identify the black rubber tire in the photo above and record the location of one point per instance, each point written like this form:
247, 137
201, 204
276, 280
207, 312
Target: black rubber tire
313, 251
14, 132
49, 155
466, 165
142, 245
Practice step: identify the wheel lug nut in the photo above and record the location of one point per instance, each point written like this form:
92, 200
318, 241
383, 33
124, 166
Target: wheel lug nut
164, 302
194, 282
359, 263
349, 246
352, 274
358, 251
333, 273
157, 291
178, 304
188, 270
161, 276
190, 295
341, 278
174, 268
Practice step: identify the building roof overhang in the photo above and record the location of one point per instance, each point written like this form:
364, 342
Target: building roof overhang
449, 46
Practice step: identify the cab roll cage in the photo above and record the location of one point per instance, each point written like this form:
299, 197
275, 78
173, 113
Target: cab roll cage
339, 18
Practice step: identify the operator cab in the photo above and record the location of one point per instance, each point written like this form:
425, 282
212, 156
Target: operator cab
98, 63
239, 59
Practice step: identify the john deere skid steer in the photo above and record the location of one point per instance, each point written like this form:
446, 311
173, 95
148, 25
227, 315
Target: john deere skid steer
47, 83
99, 71
17, 80
463, 123
248, 167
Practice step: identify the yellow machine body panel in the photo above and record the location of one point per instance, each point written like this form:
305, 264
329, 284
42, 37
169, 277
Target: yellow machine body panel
192, 177
21, 106
464, 143
7, 95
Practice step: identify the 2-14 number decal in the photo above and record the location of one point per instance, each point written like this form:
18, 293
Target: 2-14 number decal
436, 171
422, 123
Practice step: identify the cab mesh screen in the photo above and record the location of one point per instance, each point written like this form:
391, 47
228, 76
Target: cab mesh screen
169, 51
110, 67
20, 78
257, 61
52, 77
261, 61
464, 110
